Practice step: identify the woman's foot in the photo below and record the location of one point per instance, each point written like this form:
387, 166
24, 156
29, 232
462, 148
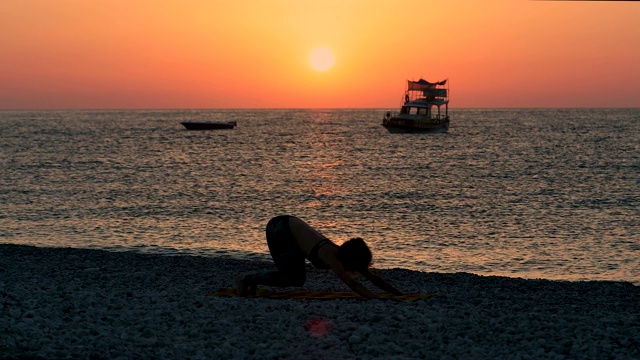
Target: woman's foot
244, 287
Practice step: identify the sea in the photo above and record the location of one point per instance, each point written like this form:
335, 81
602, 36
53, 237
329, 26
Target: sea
531, 193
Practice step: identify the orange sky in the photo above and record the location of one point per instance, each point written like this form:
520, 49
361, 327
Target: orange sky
255, 53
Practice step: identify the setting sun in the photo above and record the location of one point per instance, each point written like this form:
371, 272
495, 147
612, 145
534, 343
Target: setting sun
321, 59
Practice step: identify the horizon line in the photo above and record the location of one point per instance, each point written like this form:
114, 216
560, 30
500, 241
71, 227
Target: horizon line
329, 108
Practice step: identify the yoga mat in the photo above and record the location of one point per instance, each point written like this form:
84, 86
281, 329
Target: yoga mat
321, 295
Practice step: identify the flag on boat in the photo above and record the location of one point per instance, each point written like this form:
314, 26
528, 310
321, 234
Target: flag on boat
422, 85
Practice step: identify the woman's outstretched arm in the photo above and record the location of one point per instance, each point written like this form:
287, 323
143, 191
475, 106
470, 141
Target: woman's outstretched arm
355, 285
381, 283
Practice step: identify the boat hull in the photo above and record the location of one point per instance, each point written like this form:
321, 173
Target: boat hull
397, 125
209, 125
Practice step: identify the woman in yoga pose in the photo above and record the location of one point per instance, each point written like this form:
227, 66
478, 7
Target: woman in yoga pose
291, 241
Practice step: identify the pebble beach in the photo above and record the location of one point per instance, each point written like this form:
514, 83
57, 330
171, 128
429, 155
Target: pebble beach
63, 303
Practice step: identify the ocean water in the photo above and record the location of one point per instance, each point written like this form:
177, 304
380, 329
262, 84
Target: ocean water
534, 193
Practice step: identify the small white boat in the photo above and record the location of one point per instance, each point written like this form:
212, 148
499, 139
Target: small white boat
421, 110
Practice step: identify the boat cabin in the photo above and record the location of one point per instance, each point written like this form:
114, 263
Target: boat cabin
415, 110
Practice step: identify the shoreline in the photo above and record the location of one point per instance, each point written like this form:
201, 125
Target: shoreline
79, 303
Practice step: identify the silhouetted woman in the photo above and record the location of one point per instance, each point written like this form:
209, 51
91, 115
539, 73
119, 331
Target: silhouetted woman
291, 241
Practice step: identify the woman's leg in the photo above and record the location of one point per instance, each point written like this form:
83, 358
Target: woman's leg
288, 258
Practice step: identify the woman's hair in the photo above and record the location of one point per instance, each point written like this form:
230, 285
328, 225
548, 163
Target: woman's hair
355, 255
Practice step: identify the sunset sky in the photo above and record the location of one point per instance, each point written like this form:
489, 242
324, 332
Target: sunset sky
88, 54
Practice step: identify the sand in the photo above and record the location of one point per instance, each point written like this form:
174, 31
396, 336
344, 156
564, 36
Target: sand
92, 304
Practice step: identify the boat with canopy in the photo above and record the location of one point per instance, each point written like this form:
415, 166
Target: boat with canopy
425, 108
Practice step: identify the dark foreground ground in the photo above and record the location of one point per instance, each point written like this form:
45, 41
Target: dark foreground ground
90, 304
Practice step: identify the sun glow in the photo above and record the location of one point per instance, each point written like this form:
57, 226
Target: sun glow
321, 59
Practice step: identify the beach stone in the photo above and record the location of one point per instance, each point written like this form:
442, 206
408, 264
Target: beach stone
15, 313
355, 339
8, 341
